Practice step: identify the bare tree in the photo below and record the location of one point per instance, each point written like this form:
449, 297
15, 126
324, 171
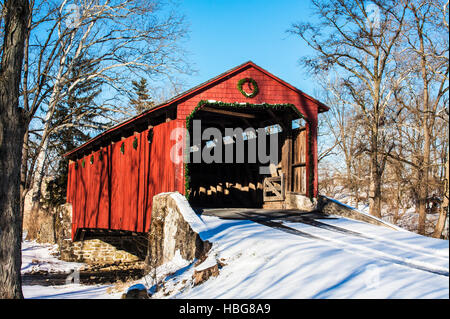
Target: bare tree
13, 122
346, 129
443, 214
413, 114
432, 56
359, 44
421, 127
121, 39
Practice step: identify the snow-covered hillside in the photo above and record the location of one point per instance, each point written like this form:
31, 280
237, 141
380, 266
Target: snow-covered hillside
341, 259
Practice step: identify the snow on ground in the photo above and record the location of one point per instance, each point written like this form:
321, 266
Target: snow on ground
41, 257
73, 291
36, 257
263, 262
346, 259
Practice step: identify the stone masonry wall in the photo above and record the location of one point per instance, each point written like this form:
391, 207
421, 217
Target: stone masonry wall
171, 232
105, 250
97, 248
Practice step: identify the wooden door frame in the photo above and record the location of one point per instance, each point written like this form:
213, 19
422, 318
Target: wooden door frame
287, 156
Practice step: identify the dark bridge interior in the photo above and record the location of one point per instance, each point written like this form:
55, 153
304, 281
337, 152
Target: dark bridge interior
235, 184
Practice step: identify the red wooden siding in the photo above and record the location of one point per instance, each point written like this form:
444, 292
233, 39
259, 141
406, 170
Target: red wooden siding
116, 192
271, 91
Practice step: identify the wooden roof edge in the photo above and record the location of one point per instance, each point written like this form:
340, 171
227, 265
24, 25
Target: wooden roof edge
115, 128
162, 105
321, 107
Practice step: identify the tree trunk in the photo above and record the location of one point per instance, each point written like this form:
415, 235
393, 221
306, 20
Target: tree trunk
375, 177
12, 130
422, 201
375, 195
424, 171
23, 178
443, 215
10, 210
24, 171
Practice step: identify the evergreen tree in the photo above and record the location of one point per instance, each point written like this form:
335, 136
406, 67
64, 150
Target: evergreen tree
76, 119
143, 101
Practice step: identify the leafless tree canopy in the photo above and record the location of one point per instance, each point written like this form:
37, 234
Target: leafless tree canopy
113, 42
383, 66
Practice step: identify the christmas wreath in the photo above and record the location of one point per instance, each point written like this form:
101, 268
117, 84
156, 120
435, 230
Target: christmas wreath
255, 91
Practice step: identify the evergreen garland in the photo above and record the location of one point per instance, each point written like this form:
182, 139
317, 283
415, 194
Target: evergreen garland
254, 84
122, 148
92, 159
83, 162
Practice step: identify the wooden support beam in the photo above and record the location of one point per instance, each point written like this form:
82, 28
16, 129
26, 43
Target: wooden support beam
227, 112
277, 119
170, 115
247, 122
286, 159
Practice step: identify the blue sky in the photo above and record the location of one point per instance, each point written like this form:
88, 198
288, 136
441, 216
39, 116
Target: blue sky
225, 34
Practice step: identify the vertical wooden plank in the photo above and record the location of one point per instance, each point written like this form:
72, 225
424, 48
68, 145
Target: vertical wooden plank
286, 160
299, 158
91, 189
103, 204
307, 160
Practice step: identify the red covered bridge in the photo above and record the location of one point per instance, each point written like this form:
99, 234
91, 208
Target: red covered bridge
114, 176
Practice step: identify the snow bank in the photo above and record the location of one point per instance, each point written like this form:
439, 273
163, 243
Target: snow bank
263, 262
189, 215
41, 257
359, 261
